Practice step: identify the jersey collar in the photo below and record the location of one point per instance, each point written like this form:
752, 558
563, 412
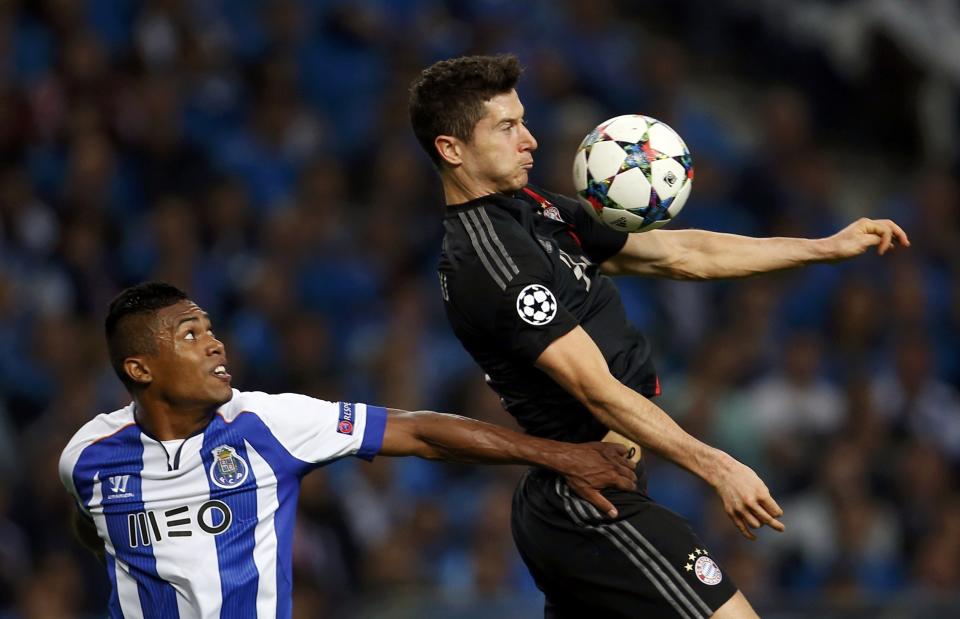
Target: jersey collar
494, 199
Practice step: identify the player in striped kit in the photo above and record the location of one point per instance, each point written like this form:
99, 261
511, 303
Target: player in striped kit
189, 493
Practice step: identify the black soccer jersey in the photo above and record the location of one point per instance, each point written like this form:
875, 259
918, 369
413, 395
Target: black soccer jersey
518, 272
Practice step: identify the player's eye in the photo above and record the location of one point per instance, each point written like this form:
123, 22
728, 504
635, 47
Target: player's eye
190, 335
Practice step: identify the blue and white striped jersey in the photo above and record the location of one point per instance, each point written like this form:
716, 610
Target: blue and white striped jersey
205, 530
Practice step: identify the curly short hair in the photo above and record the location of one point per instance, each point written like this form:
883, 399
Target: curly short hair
447, 97
130, 323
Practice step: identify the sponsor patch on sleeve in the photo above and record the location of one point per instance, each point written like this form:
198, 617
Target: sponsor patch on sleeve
345, 422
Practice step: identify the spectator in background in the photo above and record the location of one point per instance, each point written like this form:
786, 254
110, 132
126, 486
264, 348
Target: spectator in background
915, 402
838, 530
794, 409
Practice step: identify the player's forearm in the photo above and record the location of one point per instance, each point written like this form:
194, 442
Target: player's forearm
453, 438
714, 255
699, 254
627, 412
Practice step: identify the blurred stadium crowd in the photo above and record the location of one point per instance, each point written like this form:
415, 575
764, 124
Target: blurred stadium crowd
258, 155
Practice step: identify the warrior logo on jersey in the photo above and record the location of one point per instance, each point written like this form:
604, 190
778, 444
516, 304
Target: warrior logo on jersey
228, 469
118, 487
536, 305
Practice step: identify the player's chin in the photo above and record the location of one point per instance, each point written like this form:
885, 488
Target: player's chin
221, 393
518, 182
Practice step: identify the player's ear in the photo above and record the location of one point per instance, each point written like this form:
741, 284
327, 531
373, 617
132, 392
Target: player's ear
138, 370
449, 148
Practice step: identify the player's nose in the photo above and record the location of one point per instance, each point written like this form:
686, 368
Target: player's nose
216, 347
528, 142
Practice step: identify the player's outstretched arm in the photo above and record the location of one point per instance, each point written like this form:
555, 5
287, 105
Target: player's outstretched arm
577, 365
588, 467
698, 254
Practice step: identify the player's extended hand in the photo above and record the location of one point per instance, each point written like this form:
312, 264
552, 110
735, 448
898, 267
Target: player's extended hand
863, 234
746, 499
592, 467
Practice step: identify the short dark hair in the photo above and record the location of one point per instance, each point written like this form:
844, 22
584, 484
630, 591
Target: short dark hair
448, 96
129, 322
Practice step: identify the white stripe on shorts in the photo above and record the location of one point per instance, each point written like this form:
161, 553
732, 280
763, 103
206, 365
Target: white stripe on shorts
686, 602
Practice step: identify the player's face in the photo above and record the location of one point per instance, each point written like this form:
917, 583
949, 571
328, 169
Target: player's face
189, 368
500, 154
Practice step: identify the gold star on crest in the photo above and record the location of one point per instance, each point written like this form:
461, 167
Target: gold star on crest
698, 551
690, 557
688, 567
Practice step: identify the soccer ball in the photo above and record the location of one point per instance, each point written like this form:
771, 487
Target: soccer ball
633, 173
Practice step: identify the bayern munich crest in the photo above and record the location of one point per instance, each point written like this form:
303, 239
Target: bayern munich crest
707, 571
552, 212
228, 469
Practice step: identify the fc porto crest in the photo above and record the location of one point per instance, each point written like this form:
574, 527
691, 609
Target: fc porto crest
228, 469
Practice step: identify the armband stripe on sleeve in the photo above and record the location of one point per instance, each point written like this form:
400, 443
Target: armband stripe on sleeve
374, 427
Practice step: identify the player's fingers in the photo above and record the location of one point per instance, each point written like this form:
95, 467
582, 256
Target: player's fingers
621, 462
628, 472
747, 516
769, 504
764, 517
615, 449
886, 235
599, 501
741, 526
625, 480
899, 234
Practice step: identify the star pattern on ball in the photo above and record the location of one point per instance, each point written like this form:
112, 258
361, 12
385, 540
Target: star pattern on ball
633, 173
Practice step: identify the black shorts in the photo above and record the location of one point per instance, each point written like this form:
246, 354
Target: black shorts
646, 563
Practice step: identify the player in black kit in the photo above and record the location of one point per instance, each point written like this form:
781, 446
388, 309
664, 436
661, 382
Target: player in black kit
523, 279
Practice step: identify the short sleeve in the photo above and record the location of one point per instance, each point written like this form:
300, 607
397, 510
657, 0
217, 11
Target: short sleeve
518, 312
315, 430
530, 317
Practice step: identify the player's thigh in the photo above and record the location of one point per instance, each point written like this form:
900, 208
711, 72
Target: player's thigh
647, 563
736, 607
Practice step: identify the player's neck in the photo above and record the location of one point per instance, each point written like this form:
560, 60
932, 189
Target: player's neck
165, 422
458, 187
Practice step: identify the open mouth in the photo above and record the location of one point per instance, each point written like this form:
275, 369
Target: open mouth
221, 372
